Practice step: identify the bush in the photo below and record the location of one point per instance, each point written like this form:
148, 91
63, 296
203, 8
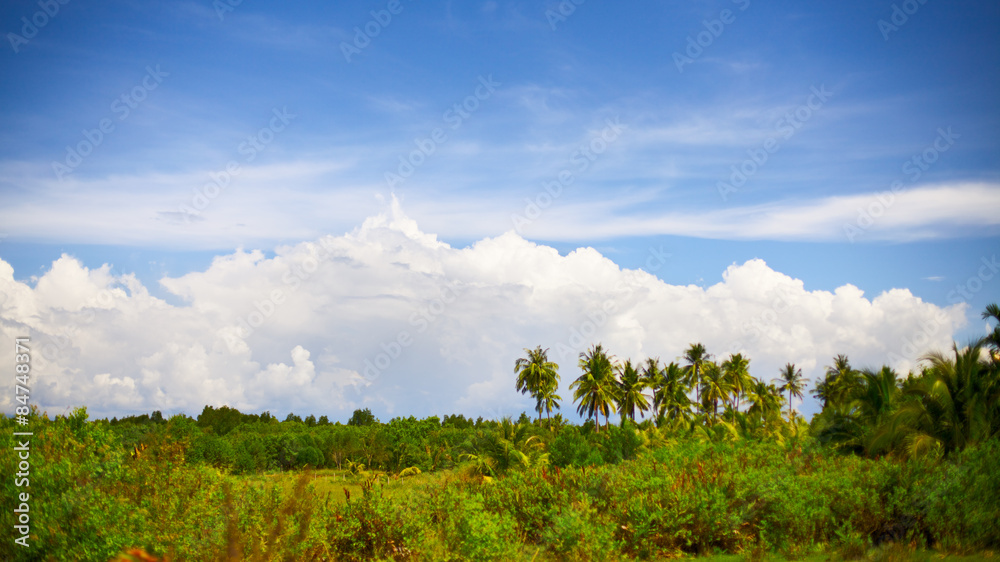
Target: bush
571, 448
962, 500
480, 534
620, 443
578, 533
309, 456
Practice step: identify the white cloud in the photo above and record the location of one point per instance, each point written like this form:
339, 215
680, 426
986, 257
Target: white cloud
921, 213
391, 318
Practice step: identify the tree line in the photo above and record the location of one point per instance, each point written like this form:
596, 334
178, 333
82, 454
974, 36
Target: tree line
952, 402
609, 386
946, 406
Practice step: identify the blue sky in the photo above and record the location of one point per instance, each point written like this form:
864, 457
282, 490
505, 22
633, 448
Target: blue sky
847, 144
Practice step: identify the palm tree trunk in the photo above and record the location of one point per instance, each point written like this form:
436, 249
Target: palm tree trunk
697, 387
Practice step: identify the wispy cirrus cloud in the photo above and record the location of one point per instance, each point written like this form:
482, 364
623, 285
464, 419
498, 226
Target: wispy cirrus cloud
921, 213
318, 196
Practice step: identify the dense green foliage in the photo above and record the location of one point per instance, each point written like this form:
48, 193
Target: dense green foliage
625, 492
950, 405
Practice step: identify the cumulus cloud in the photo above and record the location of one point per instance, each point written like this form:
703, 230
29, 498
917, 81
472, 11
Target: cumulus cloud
391, 318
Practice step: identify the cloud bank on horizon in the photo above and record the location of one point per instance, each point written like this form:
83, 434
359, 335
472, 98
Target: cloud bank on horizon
390, 318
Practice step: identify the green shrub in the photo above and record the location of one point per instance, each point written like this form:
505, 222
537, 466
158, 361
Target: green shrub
309, 456
481, 534
371, 527
578, 533
962, 500
571, 448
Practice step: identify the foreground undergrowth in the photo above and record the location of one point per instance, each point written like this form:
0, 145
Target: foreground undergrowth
91, 501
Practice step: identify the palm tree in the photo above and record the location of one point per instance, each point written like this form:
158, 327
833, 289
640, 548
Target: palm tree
696, 356
765, 399
953, 405
495, 451
549, 398
651, 371
714, 387
877, 395
993, 338
670, 396
539, 376
791, 380
849, 423
737, 370
840, 381
630, 387
595, 388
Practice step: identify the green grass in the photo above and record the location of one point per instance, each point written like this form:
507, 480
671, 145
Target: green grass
332, 482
